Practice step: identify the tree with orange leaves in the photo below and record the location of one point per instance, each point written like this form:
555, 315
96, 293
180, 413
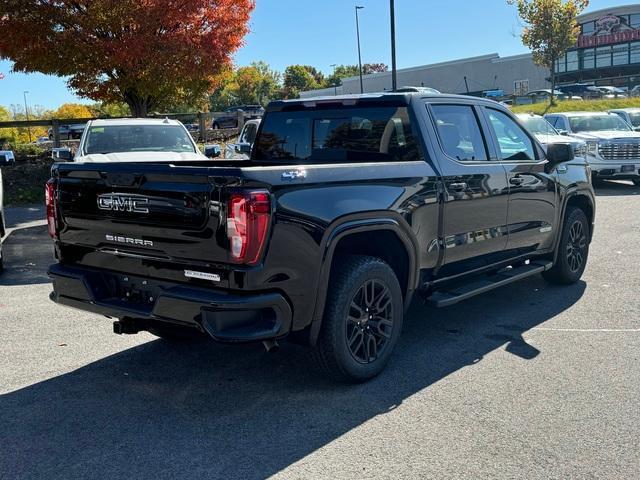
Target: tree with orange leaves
146, 53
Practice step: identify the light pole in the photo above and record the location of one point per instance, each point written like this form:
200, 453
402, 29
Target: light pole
26, 111
394, 71
335, 80
359, 54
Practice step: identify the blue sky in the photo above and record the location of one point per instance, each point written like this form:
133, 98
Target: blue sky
322, 32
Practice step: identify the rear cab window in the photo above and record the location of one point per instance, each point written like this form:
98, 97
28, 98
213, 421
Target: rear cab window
337, 134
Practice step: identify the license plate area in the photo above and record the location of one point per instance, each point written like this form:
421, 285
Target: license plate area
628, 168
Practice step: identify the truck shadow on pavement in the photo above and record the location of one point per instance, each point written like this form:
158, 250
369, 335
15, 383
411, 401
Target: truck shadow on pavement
27, 253
206, 410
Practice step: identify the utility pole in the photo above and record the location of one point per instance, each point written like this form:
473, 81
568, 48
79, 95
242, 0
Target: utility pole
394, 70
26, 111
335, 80
359, 53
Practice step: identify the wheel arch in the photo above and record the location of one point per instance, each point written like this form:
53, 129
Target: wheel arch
583, 199
388, 238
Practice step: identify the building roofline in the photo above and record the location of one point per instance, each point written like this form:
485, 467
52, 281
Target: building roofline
619, 10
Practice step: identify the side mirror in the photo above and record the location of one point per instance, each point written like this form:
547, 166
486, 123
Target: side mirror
559, 153
244, 147
62, 154
562, 132
212, 151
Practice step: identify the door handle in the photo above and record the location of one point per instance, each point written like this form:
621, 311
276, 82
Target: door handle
516, 180
458, 186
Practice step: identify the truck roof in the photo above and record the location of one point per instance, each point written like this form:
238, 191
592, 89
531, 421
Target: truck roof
133, 121
381, 98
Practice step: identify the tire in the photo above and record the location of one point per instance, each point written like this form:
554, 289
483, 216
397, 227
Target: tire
216, 126
354, 345
174, 334
573, 250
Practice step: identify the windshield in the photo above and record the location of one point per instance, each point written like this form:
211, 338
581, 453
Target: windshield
538, 126
597, 123
138, 138
635, 119
342, 134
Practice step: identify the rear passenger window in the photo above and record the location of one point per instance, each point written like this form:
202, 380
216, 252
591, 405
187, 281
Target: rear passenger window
513, 142
459, 132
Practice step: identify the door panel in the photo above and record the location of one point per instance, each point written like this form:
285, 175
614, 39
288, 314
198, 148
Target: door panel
532, 197
475, 190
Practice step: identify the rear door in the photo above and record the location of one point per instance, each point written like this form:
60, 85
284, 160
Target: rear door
476, 189
532, 192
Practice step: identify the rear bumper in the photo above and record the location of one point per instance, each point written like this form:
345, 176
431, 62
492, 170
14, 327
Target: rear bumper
225, 317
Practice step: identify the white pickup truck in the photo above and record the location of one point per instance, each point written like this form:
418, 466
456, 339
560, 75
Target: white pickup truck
138, 140
613, 148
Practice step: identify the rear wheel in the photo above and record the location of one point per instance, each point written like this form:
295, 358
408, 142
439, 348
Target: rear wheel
362, 321
216, 126
573, 250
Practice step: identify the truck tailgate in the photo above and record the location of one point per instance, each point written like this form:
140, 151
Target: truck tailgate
152, 211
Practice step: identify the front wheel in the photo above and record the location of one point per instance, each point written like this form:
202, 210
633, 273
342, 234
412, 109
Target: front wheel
573, 250
362, 320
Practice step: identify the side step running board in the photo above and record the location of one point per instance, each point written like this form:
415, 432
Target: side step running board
482, 284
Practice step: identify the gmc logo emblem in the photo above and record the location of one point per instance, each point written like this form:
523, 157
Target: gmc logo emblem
123, 203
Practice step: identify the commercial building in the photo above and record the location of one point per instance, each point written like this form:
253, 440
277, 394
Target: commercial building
607, 53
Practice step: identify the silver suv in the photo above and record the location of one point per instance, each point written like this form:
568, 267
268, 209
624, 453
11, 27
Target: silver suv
613, 148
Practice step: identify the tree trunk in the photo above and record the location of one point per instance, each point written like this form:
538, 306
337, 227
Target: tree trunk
553, 82
138, 104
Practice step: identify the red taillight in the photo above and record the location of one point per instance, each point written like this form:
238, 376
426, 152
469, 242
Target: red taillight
247, 225
50, 199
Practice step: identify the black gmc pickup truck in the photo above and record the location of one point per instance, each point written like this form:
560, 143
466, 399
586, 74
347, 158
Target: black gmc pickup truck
347, 207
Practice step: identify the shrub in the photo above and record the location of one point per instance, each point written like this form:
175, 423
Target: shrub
578, 105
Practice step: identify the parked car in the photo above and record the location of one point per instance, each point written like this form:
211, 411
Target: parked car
635, 91
613, 148
139, 140
242, 148
6, 158
347, 207
544, 95
629, 115
612, 92
230, 117
68, 132
546, 134
417, 90
582, 90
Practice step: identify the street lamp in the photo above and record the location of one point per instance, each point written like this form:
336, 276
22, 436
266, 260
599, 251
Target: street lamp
359, 54
26, 111
394, 71
335, 80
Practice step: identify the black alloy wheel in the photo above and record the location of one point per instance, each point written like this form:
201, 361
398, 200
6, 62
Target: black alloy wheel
370, 321
576, 246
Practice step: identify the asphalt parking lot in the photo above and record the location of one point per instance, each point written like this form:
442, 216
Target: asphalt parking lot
529, 381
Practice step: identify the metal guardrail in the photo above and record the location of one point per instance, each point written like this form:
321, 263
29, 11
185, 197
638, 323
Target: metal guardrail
204, 121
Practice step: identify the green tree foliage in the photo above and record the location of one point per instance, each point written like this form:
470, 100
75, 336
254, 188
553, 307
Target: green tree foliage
298, 78
255, 84
346, 71
551, 27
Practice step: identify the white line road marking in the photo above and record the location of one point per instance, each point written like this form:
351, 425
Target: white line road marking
586, 329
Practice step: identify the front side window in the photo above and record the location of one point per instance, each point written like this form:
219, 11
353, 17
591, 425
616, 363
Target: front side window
138, 138
249, 134
459, 132
334, 135
594, 123
635, 119
538, 126
513, 142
